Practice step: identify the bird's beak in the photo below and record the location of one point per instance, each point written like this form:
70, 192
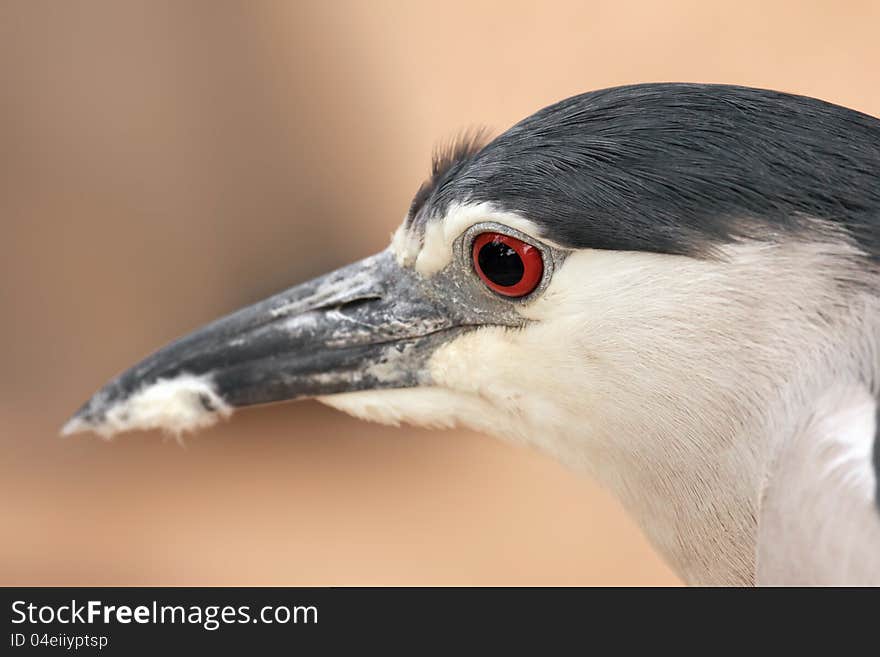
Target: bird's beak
370, 325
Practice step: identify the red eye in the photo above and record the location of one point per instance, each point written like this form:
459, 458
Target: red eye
507, 265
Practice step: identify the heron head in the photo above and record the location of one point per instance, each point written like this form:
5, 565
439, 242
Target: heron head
623, 265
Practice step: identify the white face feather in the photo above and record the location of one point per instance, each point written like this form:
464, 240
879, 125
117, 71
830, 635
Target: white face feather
670, 379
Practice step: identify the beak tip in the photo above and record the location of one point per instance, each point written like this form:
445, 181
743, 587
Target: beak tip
76, 424
90, 417
87, 418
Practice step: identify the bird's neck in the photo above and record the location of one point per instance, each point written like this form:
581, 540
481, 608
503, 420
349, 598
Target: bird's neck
688, 411
793, 504
777, 487
819, 519
700, 514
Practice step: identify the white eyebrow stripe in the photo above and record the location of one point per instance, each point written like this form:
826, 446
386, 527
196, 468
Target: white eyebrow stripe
434, 252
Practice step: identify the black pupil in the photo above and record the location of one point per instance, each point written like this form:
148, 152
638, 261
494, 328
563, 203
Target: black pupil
501, 264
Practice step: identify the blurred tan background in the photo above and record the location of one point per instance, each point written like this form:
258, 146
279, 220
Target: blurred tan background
162, 163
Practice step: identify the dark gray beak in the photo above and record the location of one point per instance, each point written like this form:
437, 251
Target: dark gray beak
370, 325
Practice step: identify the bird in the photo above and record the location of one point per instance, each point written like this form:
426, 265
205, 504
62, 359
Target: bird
670, 288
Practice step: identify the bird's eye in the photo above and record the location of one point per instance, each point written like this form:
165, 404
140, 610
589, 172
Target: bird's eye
507, 265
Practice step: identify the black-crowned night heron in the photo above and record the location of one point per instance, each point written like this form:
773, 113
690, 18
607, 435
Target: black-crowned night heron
671, 287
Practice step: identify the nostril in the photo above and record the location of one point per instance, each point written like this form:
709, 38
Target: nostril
349, 304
